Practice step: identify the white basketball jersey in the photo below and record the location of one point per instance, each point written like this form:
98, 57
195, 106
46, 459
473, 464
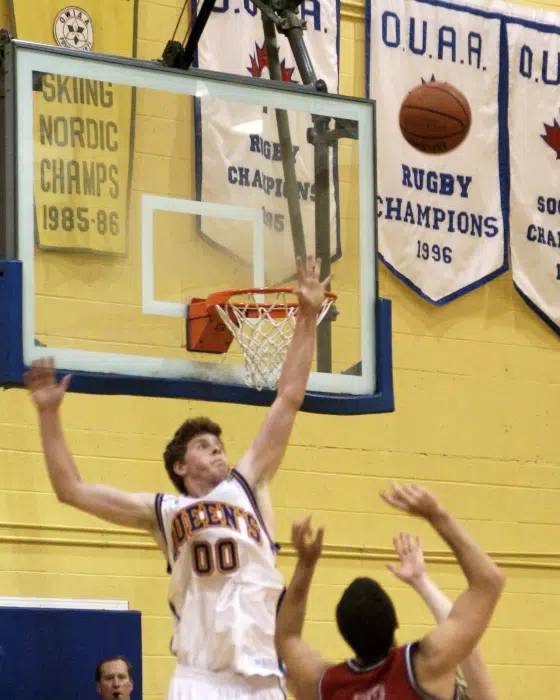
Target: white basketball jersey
225, 587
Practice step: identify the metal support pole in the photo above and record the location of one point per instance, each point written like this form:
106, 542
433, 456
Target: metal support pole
286, 146
318, 137
323, 232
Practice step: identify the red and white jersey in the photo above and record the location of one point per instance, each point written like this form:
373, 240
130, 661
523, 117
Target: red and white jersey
390, 679
224, 587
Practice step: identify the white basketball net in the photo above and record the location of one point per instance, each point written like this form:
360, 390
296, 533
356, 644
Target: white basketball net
262, 334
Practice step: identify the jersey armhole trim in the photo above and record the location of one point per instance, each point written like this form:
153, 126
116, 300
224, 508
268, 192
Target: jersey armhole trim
174, 611
409, 651
251, 496
159, 516
320, 684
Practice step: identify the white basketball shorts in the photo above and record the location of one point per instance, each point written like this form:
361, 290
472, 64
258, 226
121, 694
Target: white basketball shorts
194, 684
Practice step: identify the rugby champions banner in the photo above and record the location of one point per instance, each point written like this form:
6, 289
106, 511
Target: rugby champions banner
241, 165
534, 137
441, 218
83, 128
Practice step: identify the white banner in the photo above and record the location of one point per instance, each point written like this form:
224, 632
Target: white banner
239, 160
534, 135
441, 221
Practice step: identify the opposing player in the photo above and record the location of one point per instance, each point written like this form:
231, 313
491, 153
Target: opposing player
217, 534
367, 620
475, 682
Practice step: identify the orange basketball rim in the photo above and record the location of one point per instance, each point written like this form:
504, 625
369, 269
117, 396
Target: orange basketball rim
260, 319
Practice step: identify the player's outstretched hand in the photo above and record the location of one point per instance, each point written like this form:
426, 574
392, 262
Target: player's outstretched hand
409, 551
310, 291
415, 500
40, 380
305, 543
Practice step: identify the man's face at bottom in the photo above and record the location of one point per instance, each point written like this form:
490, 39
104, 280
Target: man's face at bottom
115, 683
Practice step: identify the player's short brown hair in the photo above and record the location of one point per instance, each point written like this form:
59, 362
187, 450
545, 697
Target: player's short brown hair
176, 448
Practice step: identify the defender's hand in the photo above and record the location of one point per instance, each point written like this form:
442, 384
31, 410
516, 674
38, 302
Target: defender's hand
308, 547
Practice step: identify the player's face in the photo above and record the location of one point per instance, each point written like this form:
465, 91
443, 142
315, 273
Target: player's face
205, 461
115, 683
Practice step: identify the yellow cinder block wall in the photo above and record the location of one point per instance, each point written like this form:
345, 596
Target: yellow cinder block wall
477, 392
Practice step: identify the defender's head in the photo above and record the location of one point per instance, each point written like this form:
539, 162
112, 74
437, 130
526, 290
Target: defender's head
195, 459
367, 620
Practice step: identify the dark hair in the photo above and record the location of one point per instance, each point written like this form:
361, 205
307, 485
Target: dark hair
106, 660
175, 450
367, 620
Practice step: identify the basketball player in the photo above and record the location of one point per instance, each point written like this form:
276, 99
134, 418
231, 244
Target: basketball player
475, 682
113, 678
217, 535
367, 620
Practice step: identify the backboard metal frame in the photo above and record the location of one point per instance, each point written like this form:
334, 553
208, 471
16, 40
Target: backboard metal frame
156, 376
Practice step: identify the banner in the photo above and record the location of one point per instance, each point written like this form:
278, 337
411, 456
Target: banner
83, 129
534, 136
240, 166
442, 228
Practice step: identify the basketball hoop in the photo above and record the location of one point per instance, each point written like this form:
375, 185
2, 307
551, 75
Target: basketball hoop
263, 329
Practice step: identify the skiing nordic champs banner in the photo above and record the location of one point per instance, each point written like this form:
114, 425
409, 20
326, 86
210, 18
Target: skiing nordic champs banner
243, 167
441, 220
83, 128
534, 135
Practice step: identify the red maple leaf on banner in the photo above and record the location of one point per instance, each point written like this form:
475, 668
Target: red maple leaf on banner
552, 137
259, 61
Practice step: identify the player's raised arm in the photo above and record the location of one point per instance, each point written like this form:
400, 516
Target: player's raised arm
448, 645
118, 507
304, 665
412, 570
259, 464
